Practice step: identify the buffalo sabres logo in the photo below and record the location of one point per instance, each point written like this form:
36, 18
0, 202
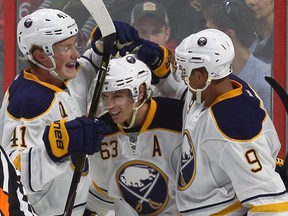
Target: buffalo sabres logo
187, 164
28, 23
202, 41
130, 59
144, 186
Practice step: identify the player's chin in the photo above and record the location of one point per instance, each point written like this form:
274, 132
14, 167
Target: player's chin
117, 119
70, 74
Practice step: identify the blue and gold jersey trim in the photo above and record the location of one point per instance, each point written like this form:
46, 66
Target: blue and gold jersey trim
238, 114
29, 97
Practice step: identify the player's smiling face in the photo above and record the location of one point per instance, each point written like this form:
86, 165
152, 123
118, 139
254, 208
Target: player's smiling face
65, 55
119, 105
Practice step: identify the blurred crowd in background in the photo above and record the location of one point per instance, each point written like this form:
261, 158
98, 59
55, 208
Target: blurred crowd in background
249, 23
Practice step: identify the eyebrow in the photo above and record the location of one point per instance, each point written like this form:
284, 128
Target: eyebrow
122, 91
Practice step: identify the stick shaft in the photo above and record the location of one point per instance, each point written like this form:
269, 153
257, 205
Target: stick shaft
100, 14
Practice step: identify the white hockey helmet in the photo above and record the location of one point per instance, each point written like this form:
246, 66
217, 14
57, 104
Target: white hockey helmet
209, 48
127, 72
44, 28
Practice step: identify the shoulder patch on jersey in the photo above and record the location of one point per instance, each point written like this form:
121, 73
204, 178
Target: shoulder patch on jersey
168, 114
28, 99
240, 118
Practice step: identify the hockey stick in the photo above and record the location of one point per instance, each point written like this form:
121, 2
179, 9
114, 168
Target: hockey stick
279, 90
284, 99
100, 14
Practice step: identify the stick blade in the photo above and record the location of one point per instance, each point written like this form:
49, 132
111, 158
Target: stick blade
279, 90
103, 18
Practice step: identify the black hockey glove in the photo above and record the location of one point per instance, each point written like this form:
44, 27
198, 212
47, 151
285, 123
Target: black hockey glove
81, 135
282, 169
157, 57
127, 38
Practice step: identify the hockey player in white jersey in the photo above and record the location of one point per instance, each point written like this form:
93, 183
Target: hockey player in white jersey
229, 147
137, 163
40, 119
41, 123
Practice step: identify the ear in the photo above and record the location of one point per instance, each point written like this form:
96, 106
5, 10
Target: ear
142, 91
40, 55
199, 75
204, 74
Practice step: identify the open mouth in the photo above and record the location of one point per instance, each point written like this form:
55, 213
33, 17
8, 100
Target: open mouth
116, 116
71, 65
114, 113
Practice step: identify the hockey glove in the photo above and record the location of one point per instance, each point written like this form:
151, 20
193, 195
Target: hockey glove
282, 169
157, 57
126, 41
81, 135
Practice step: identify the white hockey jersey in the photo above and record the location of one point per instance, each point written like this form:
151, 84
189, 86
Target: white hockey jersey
228, 158
139, 164
28, 107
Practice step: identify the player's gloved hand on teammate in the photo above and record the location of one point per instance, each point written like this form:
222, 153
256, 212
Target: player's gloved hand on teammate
126, 39
157, 57
81, 135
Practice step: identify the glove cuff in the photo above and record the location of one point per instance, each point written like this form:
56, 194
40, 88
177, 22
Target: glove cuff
56, 140
164, 68
97, 46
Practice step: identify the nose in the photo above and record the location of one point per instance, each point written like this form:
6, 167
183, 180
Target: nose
75, 53
108, 103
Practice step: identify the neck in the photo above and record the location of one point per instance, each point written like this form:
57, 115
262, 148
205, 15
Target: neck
45, 76
216, 89
141, 114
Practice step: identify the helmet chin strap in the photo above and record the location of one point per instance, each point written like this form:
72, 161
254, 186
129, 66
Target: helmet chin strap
198, 91
51, 70
135, 110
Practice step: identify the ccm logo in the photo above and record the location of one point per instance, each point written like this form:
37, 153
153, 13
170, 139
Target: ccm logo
58, 135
